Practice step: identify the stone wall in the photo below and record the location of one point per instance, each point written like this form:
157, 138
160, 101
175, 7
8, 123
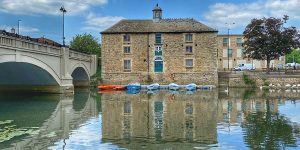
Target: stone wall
261, 80
204, 70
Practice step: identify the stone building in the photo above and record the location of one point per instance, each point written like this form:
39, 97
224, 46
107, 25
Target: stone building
159, 50
236, 55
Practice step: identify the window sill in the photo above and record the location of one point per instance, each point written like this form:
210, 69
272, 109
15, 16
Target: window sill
127, 53
127, 71
189, 53
189, 67
189, 41
126, 43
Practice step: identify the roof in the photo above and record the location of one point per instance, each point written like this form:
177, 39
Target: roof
221, 35
39, 40
163, 26
157, 8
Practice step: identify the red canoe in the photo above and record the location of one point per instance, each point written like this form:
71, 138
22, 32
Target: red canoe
111, 87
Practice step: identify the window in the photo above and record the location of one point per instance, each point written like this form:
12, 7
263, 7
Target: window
243, 53
189, 63
189, 38
158, 64
127, 107
157, 38
229, 53
158, 51
239, 41
127, 49
126, 38
225, 41
189, 49
127, 65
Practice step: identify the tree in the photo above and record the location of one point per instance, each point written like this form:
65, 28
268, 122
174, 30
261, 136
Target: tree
86, 43
267, 39
268, 129
294, 56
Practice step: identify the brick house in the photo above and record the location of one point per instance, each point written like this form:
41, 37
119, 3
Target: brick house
236, 55
159, 50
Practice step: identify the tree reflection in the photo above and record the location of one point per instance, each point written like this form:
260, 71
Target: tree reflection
268, 130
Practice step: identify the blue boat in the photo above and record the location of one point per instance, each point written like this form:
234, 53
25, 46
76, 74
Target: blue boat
133, 91
153, 86
173, 86
133, 86
191, 87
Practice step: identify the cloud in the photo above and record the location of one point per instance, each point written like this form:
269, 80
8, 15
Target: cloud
23, 29
94, 23
49, 7
241, 14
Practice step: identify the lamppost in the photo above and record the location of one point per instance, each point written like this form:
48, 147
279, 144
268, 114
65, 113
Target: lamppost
19, 27
63, 10
228, 43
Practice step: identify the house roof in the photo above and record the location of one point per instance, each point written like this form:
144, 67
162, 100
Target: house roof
163, 26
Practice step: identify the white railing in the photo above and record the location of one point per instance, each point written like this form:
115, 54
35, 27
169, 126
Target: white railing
28, 45
79, 56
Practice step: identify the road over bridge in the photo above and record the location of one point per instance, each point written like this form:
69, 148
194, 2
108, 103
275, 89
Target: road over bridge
27, 62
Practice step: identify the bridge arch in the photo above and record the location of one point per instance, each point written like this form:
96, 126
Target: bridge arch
80, 67
6, 58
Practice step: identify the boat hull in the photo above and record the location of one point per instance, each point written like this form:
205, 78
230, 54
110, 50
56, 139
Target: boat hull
111, 87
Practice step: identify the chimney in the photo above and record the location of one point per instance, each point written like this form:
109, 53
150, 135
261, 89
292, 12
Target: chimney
13, 30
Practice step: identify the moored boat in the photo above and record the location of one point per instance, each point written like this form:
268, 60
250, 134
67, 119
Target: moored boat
111, 87
133, 86
191, 87
173, 86
153, 86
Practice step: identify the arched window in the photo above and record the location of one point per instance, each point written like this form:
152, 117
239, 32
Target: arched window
158, 64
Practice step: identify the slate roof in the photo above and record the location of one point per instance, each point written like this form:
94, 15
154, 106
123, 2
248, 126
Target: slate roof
163, 26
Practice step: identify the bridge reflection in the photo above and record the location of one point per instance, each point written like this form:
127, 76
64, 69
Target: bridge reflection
68, 113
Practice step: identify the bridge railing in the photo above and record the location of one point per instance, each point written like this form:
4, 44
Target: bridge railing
27, 44
79, 56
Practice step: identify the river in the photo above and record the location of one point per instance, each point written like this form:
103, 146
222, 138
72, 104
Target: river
238, 119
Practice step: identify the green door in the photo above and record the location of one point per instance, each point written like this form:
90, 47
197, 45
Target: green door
158, 66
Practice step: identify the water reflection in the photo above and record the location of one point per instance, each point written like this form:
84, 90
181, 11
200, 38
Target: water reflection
36, 121
240, 119
161, 120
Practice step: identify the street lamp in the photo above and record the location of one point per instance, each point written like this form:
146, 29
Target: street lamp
19, 27
228, 43
63, 10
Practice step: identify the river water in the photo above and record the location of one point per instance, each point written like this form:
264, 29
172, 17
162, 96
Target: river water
163, 120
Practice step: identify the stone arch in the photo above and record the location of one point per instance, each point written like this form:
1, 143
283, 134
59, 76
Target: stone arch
30, 60
80, 65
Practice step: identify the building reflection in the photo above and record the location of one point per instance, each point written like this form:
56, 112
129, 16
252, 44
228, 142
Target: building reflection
180, 121
159, 118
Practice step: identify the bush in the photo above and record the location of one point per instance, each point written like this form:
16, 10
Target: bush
248, 81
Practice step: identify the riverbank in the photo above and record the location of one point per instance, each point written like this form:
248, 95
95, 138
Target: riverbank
247, 79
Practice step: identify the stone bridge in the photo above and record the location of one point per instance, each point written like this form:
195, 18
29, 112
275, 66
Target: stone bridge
25, 62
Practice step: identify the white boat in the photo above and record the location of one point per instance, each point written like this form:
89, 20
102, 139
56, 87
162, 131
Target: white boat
153, 86
173, 86
191, 87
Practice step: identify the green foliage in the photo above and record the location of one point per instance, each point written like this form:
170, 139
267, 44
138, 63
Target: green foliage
248, 93
295, 55
86, 43
267, 39
268, 130
96, 78
248, 81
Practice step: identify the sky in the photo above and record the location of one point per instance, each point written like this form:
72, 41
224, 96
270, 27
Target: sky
42, 18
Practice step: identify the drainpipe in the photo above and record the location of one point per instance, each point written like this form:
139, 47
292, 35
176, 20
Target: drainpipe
148, 57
